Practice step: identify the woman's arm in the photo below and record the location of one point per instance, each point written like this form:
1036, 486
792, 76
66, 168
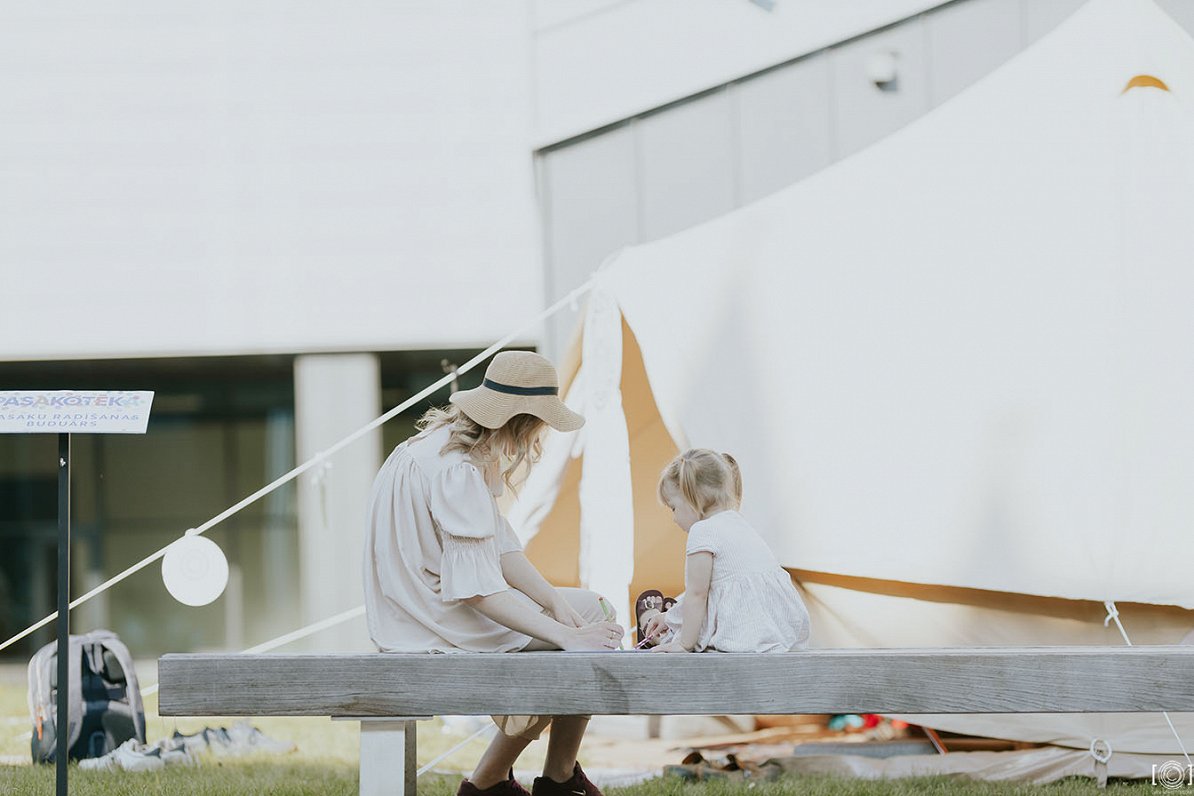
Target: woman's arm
520, 573
698, 571
505, 609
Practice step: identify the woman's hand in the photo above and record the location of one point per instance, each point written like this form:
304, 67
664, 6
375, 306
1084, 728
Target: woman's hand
671, 646
597, 636
563, 612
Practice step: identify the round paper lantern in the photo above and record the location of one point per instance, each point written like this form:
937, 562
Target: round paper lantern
195, 570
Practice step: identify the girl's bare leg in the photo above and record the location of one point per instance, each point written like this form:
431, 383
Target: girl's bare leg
562, 746
499, 758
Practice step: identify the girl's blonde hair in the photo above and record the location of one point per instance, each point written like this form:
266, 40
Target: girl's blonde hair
706, 480
521, 437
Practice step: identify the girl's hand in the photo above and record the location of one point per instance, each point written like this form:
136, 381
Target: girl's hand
563, 612
656, 626
671, 646
597, 636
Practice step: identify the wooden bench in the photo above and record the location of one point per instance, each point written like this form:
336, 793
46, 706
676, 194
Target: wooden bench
388, 693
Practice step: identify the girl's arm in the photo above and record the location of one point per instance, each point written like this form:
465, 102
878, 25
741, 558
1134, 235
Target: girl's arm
698, 571
521, 574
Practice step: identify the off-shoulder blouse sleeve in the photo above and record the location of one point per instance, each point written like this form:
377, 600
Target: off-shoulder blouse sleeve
470, 522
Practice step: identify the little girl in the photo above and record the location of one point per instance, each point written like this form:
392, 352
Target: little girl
737, 597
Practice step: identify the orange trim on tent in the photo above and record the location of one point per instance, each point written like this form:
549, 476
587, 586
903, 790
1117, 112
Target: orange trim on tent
1060, 607
1145, 81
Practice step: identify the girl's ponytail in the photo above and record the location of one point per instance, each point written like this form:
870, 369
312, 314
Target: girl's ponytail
736, 473
704, 479
688, 478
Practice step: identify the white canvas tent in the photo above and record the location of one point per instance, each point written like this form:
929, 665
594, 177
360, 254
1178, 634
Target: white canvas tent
957, 369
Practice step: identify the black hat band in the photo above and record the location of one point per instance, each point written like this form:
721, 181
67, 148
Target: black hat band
510, 389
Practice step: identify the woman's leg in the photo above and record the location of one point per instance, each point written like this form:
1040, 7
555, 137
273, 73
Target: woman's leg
566, 732
562, 745
498, 759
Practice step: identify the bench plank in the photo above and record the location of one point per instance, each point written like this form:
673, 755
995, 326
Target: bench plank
920, 680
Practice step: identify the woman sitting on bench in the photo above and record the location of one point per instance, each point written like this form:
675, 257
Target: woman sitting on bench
444, 571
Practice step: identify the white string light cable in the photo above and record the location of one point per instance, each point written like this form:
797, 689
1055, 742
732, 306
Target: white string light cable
491, 729
294, 635
569, 300
1113, 615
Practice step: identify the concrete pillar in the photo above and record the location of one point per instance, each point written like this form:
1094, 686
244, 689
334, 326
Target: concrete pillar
279, 554
334, 395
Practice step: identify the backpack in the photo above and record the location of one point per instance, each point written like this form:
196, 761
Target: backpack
104, 701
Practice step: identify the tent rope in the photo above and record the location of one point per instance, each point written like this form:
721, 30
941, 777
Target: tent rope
491, 729
319, 458
1113, 615
294, 635
324, 624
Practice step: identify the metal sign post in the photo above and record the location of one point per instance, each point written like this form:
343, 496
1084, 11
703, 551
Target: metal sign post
67, 412
61, 737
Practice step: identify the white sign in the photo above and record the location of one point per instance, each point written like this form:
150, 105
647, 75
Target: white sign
74, 412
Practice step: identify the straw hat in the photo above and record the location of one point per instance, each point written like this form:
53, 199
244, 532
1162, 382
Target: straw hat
518, 383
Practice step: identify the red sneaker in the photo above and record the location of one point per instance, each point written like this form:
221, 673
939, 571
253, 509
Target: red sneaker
578, 785
510, 787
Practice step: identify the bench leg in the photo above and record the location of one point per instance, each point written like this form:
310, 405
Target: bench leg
388, 763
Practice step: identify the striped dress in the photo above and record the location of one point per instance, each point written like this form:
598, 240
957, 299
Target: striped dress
753, 604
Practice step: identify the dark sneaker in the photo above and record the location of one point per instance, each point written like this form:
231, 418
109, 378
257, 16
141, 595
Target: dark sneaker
508, 788
578, 785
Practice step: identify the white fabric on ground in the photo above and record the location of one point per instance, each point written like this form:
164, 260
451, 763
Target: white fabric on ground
1037, 766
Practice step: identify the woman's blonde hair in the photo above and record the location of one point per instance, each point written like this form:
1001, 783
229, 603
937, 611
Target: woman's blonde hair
521, 437
706, 480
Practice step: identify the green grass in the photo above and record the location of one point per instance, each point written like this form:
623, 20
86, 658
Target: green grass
326, 763
301, 779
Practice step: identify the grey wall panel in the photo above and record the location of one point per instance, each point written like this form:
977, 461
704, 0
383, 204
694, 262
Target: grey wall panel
687, 157
968, 41
689, 163
784, 130
589, 196
1042, 16
1180, 10
864, 113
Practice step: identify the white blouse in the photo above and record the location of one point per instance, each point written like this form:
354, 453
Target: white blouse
753, 604
435, 537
